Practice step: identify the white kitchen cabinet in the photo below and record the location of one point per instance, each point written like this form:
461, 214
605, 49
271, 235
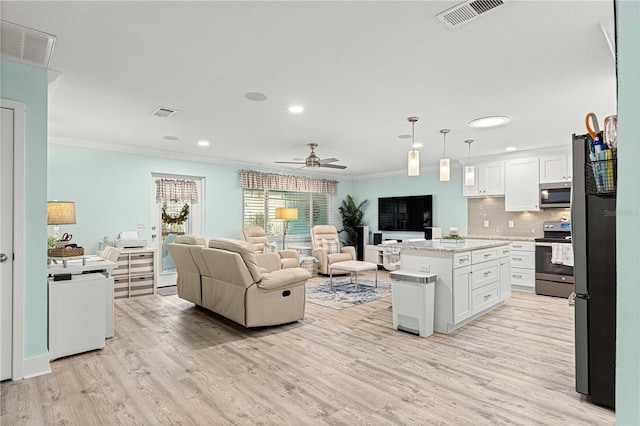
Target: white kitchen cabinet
555, 168
522, 185
523, 266
462, 294
505, 278
489, 180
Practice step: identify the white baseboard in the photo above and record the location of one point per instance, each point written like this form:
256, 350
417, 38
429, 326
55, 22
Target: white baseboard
36, 366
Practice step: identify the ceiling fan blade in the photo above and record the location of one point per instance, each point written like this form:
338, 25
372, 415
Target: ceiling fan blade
290, 162
333, 166
328, 160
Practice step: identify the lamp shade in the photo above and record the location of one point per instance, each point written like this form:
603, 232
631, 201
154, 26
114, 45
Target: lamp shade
469, 175
286, 213
413, 163
444, 170
61, 212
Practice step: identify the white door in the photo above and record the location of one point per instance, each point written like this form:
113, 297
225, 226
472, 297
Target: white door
161, 235
6, 243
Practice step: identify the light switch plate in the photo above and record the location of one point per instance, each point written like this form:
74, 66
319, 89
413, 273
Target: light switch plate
425, 268
486, 223
142, 223
511, 224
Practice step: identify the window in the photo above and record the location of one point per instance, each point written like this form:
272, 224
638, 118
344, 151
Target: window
260, 210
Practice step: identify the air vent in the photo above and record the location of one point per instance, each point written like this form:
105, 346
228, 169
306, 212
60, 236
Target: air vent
25, 45
164, 112
467, 11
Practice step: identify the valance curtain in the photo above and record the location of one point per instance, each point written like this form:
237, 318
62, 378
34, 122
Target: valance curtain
176, 189
270, 181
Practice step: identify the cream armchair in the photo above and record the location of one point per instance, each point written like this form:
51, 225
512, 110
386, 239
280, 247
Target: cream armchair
325, 256
185, 251
246, 293
256, 236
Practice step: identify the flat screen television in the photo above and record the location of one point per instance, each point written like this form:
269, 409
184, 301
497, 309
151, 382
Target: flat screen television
410, 213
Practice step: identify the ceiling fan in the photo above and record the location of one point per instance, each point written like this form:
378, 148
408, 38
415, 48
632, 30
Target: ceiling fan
314, 161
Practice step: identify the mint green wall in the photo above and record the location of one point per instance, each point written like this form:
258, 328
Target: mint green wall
628, 215
28, 84
449, 206
113, 190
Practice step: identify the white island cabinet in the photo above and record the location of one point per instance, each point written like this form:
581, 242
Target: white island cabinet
469, 280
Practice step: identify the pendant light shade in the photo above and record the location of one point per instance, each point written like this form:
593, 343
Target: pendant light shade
445, 172
469, 170
413, 160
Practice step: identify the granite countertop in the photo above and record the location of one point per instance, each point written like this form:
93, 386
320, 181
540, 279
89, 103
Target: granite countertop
437, 245
502, 237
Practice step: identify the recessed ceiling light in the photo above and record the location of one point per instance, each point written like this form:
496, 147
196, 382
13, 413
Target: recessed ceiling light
510, 148
404, 137
296, 109
493, 121
255, 96
203, 143
417, 145
171, 138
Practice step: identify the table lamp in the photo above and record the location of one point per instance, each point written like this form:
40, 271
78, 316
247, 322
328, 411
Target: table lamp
286, 214
60, 213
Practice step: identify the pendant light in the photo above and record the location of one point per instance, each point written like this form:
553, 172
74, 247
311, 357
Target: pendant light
413, 163
469, 170
444, 162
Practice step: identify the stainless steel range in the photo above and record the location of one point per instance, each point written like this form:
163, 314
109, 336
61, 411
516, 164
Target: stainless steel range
554, 266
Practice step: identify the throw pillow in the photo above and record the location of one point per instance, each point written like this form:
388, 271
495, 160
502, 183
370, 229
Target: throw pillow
270, 247
331, 246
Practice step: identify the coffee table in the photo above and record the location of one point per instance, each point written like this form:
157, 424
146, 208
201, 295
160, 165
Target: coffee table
353, 266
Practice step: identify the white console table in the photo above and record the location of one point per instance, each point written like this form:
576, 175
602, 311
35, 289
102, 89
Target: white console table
80, 305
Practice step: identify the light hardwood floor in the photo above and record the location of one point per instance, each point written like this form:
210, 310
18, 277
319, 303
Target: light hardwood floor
172, 363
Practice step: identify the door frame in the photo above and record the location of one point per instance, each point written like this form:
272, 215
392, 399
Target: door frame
197, 216
19, 232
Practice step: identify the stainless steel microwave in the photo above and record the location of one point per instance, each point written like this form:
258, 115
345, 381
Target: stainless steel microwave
555, 195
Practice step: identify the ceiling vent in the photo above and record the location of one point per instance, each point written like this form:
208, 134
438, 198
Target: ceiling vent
467, 11
25, 45
164, 112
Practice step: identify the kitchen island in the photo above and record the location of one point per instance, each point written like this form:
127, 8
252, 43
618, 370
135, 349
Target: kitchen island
473, 277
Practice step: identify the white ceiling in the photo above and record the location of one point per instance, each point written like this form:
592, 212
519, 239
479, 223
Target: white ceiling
359, 69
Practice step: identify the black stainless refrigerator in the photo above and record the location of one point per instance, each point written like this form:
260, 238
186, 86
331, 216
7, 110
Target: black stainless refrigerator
593, 228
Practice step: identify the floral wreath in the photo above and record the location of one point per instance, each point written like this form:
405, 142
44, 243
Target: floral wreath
179, 218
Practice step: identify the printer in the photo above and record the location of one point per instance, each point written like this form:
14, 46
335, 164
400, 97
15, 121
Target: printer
129, 240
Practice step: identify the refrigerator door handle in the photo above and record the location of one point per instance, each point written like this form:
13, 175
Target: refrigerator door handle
582, 296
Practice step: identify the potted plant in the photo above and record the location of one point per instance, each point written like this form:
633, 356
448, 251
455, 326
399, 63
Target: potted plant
351, 218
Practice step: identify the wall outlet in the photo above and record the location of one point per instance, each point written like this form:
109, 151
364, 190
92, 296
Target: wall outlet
425, 268
511, 224
486, 223
142, 223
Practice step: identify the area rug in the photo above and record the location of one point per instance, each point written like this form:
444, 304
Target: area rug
167, 291
344, 295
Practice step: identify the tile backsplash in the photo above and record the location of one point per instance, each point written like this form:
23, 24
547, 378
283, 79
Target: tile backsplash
526, 224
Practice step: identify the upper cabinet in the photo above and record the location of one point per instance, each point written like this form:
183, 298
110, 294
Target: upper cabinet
489, 180
521, 184
555, 168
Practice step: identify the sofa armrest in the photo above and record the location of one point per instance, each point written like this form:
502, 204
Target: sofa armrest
349, 249
269, 261
283, 278
288, 254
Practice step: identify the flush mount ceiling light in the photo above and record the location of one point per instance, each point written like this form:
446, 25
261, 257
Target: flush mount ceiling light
255, 96
469, 170
510, 148
296, 109
492, 121
445, 174
203, 143
413, 161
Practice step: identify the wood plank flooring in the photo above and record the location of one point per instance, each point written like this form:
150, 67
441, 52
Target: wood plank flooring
173, 363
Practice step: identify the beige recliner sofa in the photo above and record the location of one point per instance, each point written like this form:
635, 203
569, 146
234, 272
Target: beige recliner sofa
256, 236
328, 233
185, 251
248, 293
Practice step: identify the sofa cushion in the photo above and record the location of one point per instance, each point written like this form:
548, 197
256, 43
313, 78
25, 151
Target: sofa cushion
283, 278
331, 246
191, 239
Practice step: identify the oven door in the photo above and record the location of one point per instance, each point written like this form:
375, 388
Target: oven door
546, 270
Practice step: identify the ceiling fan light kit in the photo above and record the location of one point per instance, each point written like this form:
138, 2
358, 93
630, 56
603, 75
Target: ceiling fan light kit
413, 160
314, 161
445, 170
